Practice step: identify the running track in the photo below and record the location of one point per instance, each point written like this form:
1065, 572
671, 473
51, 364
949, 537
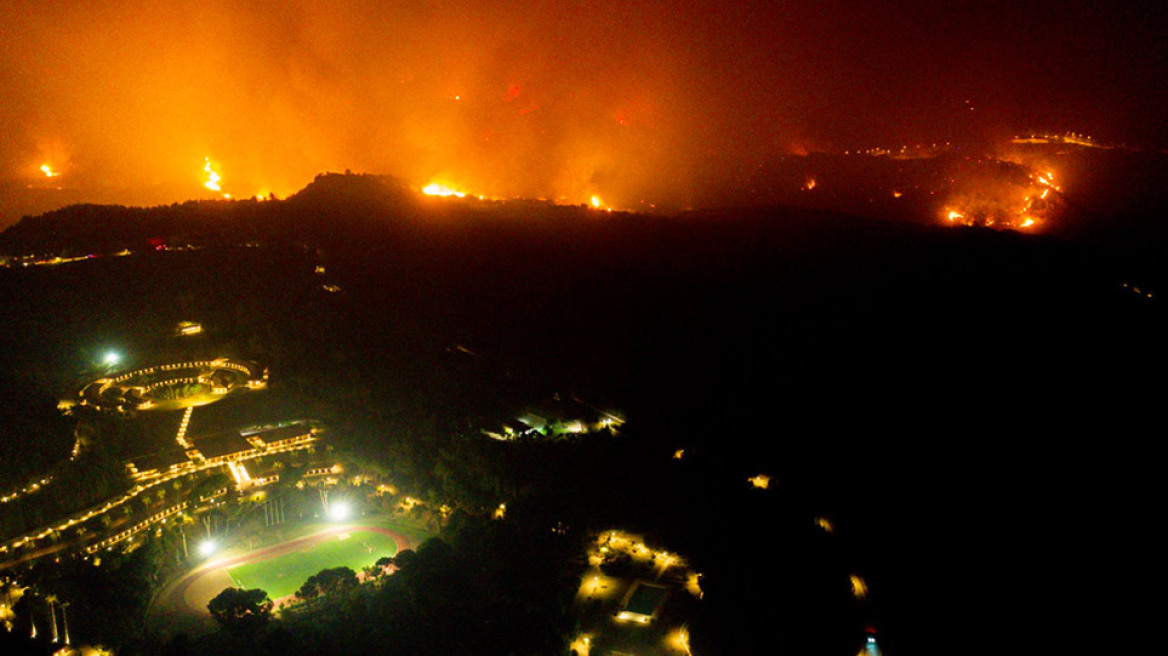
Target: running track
175, 612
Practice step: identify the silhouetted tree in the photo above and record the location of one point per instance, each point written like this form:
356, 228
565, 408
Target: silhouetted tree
327, 581
241, 612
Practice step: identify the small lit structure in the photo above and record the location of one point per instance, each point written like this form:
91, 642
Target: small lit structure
859, 587
582, 645
642, 603
188, 328
679, 640
870, 647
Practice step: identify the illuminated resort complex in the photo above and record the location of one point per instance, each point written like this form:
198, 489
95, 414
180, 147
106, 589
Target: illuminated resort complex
173, 386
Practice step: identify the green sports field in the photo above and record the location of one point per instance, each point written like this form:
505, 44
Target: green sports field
284, 574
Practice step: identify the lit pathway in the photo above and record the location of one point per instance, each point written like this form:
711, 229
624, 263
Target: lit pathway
181, 438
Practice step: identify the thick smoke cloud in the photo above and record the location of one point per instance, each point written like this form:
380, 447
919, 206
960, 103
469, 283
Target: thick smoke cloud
653, 100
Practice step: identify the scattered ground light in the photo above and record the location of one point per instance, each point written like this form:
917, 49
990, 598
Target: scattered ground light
859, 587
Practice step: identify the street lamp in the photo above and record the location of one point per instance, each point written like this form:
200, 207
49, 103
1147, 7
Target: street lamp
207, 547
112, 358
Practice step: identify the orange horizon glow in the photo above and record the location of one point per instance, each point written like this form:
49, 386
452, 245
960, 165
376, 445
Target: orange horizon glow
653, 103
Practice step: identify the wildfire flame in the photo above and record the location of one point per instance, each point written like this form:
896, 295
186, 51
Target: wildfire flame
212, 182
599, 204
1002, 204
435, 189
48, 171
809, 185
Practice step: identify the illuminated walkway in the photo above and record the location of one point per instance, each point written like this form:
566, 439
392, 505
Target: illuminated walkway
181, 438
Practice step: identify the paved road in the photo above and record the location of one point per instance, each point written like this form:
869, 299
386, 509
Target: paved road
182, 606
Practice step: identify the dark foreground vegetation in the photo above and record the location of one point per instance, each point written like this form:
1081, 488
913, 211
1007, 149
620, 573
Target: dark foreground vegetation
965, 404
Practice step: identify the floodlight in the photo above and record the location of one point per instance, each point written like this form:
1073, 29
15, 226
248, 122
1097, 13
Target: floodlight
339, 511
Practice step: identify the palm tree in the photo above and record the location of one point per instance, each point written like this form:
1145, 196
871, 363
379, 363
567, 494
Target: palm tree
65, 620
52, 599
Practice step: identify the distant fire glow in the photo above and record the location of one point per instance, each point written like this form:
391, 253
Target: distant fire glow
435, 189
1012, 198
48, 171
598, 204
213, 178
